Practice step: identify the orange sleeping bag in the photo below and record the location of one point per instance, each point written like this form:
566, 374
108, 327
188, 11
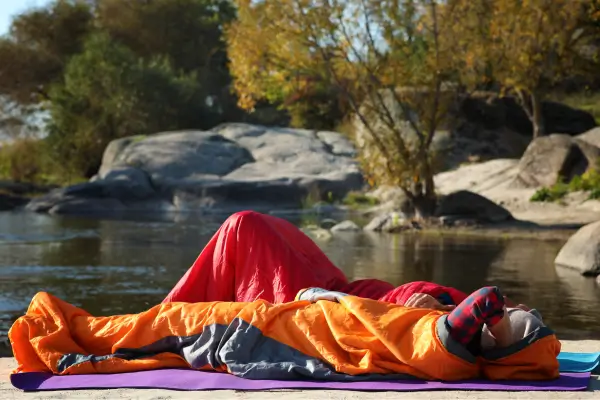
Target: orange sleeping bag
355, 339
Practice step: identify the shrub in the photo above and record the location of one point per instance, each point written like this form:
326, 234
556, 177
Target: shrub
587, 182
22, 160
552, 193
108, 93
357, 199
30, 160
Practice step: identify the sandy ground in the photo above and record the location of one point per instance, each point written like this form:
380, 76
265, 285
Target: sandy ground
7, 392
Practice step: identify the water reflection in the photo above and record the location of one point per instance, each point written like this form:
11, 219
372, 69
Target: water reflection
115, 266
449, 260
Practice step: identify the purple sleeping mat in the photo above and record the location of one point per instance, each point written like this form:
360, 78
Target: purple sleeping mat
187, 379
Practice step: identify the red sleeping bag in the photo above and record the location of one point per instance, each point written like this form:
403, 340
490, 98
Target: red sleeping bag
255, 256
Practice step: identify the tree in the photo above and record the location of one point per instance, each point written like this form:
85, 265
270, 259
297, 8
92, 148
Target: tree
189, 33
384, 57
108, 92
529, 45
38, 46
186, 32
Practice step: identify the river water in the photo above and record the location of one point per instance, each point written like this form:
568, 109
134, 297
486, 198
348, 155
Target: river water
126, 266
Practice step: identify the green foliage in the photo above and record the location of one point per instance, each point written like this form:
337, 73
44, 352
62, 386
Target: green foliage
186, 32
585, 100
354, 200
38, 46
112, 68
19, 160
358, 200
311, 200
588, 182
319, 107
528, 46
384, 61
28, 160
549, 194
110, 93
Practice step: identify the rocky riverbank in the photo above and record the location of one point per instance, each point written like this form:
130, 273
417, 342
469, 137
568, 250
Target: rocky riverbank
239, 166
495, 180
232, 167
510, 183
291, 172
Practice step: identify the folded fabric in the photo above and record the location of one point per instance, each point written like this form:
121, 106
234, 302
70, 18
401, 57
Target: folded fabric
578, 362
315, 294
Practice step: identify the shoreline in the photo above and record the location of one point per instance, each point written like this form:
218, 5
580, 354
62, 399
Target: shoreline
510, 230
7, 391
551, 229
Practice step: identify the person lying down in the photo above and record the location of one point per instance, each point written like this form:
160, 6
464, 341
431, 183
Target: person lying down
322, 335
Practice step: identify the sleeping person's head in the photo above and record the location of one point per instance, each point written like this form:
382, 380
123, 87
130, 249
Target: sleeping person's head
522, 323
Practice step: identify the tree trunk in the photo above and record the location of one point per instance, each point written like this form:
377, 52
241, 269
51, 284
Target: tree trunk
424, 205
537, 117
532, 105
422, 194
424, 198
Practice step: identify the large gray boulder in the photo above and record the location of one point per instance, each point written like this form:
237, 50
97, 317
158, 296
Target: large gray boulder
230, 196
582, 251
466, 205
390, 222
591, 137
83, 206
345, 226
281, 153
232, 167
289, 165
549, 159
131, 180
455, 209
171, 157
492, 112
337, 144
99, 197
114, 150
10, 202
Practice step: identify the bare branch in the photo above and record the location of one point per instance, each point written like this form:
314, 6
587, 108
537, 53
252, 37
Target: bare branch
354, 104
525, 102
438, 82
383, 110
386, 115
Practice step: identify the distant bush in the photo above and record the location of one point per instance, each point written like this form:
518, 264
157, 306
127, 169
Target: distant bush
357, 199
22, 160
124, 96
30, 160
588, 182
549, 194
